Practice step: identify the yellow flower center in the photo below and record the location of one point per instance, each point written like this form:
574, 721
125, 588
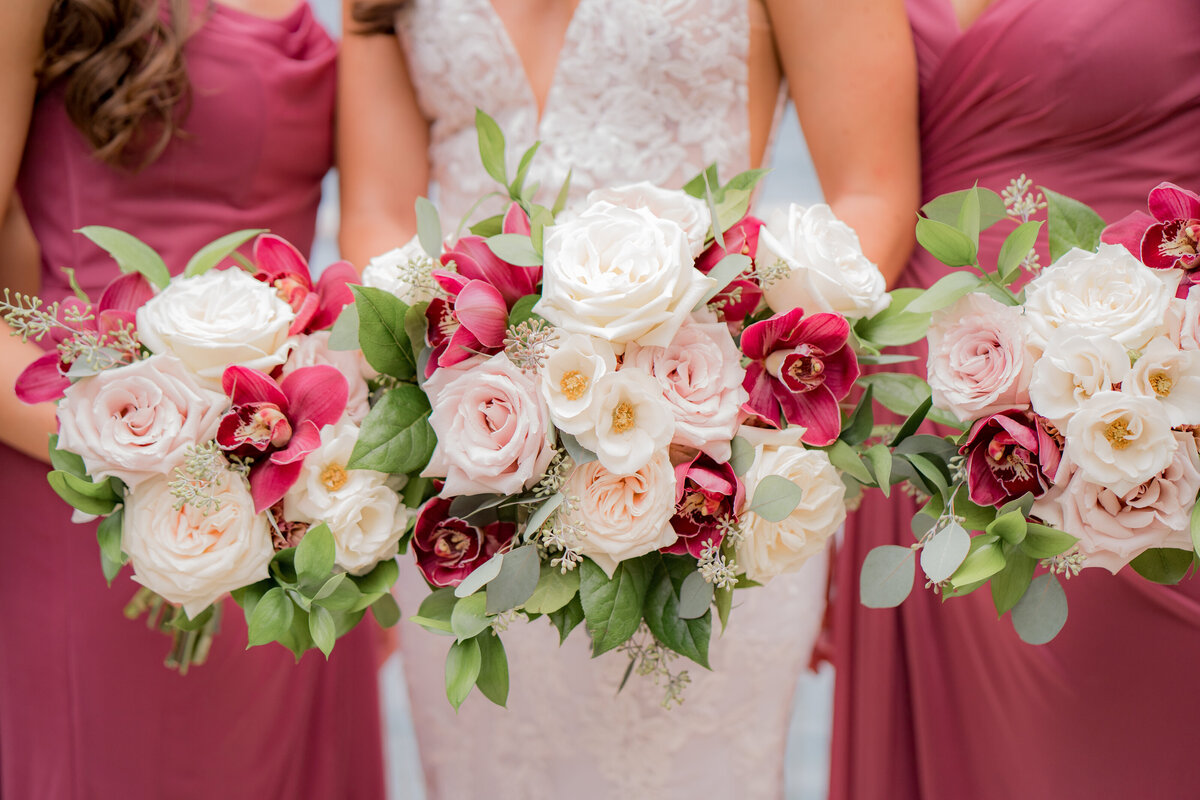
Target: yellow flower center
623, 417
333, 477
1161, 384
1117, 434
573, 384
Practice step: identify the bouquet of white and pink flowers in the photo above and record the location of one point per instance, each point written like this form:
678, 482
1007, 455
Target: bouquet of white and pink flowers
208, 423
601, 417
1080, 395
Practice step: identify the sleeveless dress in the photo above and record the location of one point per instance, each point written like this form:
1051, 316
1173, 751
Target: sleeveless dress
644, 90
1099, 100
87, 709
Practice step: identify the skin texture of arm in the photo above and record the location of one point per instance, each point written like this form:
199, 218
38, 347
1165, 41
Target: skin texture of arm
852, 74
22, 426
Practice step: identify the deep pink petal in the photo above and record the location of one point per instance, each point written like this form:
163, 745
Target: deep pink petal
452, 282
462, 345
841, 371
111, 320
817, 411
1049, 454
306, 437
317, 394
825, 331
126, 293
747, 301
305, 313
1128, 232
42, 380
480, 308
244, 385
276, 258
1018, 429
761, 338
269, 482
516, 221
333, 287
476, 261
982, 486
1168, 201
1151, 253
762, 402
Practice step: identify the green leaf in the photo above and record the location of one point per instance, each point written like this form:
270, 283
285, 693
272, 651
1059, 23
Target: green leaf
895, 325
130, 253
1022, 505
429, 228
725, 271
1195, 528
108, 534
73, 282
493, 669
1070, 224
688, 637
414, 327
945, 552
922, 524
695, 596
435, 611
339, 593
88, 497
522, 170
706, 177
1042, 611
539, 219
542, 513
489, 227
567, 617
843, 456
913, 422
522, 310
65, 460
480, 576
344, 334
514, 248
887, 576
947, 208
315, 554
946, 243
518, 578
491, 149
861, 422
386, 610
395, 436
897, 391
469, 617
216, 251
968, 215
578, 453
931, 473
733, 205
1042, 541
745, 181
743, 455
775, 498
985, 560
1009, 526
271, 618
723, 599
379, 579
946, 291
1010, 583
463, 663
713, 213
1164, 565
555, 589
321, 629
1015, 248
381, 332
564, 194
613, 608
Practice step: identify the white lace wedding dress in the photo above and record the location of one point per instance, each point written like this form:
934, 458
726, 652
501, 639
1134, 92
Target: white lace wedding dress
644, 90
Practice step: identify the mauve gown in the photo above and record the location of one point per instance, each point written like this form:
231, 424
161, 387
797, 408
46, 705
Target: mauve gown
87, 709
1100, 100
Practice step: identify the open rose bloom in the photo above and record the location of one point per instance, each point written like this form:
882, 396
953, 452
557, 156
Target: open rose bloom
211, 423
1076, 387
581, 402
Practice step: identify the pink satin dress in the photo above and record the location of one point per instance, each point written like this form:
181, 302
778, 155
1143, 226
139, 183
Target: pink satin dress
1099, 100
87, 709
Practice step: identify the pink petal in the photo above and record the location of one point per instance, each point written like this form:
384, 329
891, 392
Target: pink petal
304, 314
333, 287
515, 221
126, 293
1019, 430
306, 437
480, 308
245, 385
317, 394
462, 345
42, 380
452, 282
269, 482
275, 258
1128, 231
762, 402
1169, 202
817, 411
1151, 252
476, 261
982, 486
824, 330
110, 320
761, 338
841, 371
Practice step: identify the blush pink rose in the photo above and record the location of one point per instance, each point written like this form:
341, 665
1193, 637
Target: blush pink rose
1114, 529
701, 376
492, 425
313, 350
137, 421
979, 358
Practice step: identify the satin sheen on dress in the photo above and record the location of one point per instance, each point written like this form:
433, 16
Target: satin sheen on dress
644, 90
1099, 100
87, 709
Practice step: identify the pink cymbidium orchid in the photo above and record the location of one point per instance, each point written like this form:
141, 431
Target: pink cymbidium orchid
708, 495
1008, 455
278, 424
799, 369
741, 297
1168, 237
474, 261
317, 307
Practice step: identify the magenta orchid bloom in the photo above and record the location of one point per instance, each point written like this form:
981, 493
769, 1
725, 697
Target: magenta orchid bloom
801, 367
741, 297
317, 307
1008, 455
448, 549
1170, 239
45, 379
475, 261
278, 424
706, 493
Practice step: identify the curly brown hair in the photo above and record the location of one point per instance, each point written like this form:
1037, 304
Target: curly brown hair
121, 66
376, 16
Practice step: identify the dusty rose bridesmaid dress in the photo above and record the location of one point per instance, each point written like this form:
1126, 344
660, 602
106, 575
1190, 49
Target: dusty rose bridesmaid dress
87, 709
1098, 99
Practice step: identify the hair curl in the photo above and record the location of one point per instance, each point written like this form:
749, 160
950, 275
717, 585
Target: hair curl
376, 16
121, 66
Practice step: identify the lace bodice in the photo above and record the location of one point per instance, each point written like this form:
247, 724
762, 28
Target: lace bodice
644, 90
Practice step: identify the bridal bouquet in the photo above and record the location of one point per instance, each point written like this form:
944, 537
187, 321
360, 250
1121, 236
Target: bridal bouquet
616, 415
1080, 399
206, 421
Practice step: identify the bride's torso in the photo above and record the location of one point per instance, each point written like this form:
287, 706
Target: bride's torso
615, 90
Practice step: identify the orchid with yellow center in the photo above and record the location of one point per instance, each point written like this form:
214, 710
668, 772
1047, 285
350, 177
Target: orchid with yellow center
281, 266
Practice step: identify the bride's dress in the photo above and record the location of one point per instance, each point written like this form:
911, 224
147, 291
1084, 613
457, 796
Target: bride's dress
644, 90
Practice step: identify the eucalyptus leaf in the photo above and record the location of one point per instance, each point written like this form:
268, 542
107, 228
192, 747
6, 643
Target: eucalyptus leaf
216, 251
480, 576
429, 228
887, 576
514, 248
463, 664
469, 617
944, 552
518, 578
725, 272
1070, 224
688, 637
396, 437
922, 524
775, 498
344, 334
1042, 611
695, 596
613, 607
130, 253
542, 513
493, 669
946, 243
578, 453
743, 455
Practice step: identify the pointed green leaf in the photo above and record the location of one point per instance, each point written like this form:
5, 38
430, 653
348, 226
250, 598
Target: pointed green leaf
469, 617
1042, 541
493, 669
108, 534
491, 148
985, 560
395, 436
381, 332
567, 617
271, 619
564, 194
522, 170
843, 456
65, 460
463, 663
613, 608
386, 610
688, 637
315, 554
946, 291
88, 497
1015, 248
713, 213
1010, 583
1164, 565
554, 590
1070, 224
216, 251
130, 253
321, 629
946, 243
1009, 526
968, 215
948, 207
861, 422
429, 228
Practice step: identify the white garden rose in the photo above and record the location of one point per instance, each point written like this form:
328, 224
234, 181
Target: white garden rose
689, 212
405, 272
630, 420
313, 350
1185, 321
828, 269
1106, 293
190, 556
1170, 376
1119, 440
568, 379
767, 549
1074, 367
622, 516
619, 274
215, 320
363, 512
138, 421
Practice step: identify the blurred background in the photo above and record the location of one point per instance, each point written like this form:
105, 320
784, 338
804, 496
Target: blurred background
791, 180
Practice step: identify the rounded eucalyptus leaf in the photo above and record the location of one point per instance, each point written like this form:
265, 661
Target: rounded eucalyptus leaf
945, 552
1042, 611
887, 576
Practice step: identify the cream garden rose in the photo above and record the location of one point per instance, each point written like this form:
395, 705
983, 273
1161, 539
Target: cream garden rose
215, 320
1170, 376
569, 376
313, 350
1119, 440
191, 557
828, 269
768, 549
623, 516
405, 272
689, 212
630, 421
1075, 367
136, 422
619, 274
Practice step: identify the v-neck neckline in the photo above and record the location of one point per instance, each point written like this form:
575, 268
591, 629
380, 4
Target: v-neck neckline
506, 38
961, 30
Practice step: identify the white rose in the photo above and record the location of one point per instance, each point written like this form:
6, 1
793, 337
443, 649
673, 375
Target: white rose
1184, 320
688, 212
137, 422
623, 516
405, 272
828, 269
1119, 440
218, 319
1107, 293
630, 421
191, 557
619, 274
767, 548
1172, 377
313, 350
1075, 367
568, 379
363, 512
